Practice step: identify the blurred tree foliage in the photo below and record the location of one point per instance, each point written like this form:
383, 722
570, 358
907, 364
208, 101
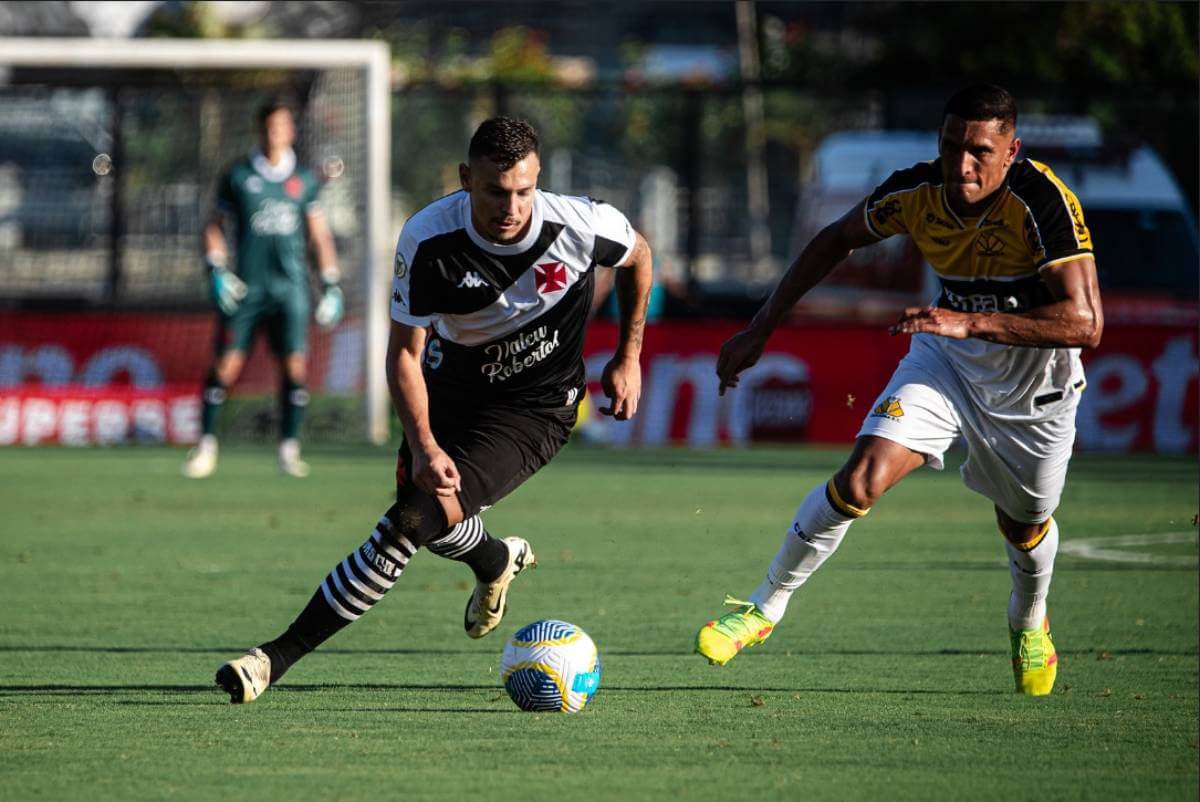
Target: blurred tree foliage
1095, 46
1134, 66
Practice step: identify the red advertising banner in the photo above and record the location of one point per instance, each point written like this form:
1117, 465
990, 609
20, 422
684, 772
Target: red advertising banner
817, 382
72, 379
82, 416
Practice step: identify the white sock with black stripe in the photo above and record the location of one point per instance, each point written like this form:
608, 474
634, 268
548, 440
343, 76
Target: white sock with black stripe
1031, 566
817, 530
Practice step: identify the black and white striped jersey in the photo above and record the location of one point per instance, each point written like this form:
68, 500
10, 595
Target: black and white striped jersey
507, 321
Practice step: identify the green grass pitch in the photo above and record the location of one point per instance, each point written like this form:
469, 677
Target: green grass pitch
124, 586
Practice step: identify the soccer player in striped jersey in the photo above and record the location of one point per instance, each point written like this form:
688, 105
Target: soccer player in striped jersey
995, 360
490, 300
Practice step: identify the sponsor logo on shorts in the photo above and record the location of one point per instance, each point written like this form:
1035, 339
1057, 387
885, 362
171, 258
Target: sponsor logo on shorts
888, 408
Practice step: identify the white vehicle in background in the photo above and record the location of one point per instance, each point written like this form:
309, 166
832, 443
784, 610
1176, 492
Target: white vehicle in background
1144, 231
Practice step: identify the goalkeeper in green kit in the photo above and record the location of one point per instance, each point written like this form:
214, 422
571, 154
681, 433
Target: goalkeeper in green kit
271, 203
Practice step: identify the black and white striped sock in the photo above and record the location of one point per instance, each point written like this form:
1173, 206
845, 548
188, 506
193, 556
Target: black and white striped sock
469, 542
460, 539
359, 581
352, 588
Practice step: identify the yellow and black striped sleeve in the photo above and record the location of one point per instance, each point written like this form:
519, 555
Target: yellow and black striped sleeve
890, 208
1054, 221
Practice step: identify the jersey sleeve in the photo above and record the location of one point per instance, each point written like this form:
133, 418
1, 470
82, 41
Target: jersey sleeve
885, 209
614, 236
406, 249
1055, 220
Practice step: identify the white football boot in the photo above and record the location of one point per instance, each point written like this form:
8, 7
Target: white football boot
290, 463
202, 460
246, 678
489, 600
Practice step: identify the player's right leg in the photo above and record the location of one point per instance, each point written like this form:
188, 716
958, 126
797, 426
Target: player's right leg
911, 424
201, 461
817, 530
351, 588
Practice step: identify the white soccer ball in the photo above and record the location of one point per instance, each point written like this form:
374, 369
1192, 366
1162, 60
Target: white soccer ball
550, 666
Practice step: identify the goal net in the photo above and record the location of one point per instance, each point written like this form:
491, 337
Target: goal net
110, 152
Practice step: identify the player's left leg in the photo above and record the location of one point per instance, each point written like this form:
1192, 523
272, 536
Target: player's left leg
289, 339
1031, 550
496, 448
293, 401
1022, 467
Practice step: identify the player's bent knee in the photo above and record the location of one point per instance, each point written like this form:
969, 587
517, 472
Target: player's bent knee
863, 484
416, 516
1020, 533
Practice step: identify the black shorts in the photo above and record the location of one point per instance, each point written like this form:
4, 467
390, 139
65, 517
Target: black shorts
495, 448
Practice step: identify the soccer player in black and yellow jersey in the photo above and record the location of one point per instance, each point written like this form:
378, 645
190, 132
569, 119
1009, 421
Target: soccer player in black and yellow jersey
995, 360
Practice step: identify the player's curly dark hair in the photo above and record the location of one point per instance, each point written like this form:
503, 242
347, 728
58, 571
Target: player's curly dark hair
982, 102
504, 141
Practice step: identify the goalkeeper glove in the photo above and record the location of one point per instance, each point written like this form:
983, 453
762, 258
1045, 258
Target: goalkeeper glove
227, 289
332, 305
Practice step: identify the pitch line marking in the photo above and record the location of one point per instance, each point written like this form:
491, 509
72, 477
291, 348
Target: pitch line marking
1117, 548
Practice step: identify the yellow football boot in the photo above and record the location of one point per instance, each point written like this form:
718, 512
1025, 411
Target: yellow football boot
719, 641
1034, 660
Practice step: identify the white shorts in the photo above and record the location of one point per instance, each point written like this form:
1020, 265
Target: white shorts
1021, 465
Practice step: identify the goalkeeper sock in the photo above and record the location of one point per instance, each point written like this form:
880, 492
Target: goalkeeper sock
1031, 566
817, 530
212, 398
293, 399
469, 542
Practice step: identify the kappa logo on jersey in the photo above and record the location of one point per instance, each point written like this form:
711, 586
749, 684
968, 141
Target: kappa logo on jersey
294, 187
551, 277
471, 281
888, 408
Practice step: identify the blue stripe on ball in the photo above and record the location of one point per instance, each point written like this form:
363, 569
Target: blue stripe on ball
533, 690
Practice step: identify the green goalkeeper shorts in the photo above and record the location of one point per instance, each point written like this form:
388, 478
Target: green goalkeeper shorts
283, 313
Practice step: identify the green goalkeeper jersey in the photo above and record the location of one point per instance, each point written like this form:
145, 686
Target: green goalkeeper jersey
269, 204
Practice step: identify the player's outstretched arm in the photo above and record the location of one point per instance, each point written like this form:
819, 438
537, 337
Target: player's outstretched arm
622, 377
829, 247
1074, 320
433, 470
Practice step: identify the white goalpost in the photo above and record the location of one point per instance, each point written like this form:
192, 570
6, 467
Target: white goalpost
346, 128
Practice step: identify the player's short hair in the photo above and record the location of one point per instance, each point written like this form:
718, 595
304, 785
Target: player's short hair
272, 105
504, 141
983, 102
